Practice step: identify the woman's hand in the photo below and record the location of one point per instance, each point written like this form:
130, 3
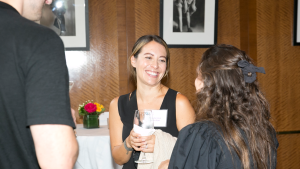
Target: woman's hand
141, 143
164, 165
135, 141
149, 146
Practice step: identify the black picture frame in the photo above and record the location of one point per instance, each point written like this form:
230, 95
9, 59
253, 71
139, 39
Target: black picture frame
205, 23
70, 20
296, 29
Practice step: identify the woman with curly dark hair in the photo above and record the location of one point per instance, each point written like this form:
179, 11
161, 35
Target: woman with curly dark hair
233, 128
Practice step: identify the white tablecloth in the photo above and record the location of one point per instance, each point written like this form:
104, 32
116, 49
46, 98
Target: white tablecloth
94, 149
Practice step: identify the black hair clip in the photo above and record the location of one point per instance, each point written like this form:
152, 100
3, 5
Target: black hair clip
249, 70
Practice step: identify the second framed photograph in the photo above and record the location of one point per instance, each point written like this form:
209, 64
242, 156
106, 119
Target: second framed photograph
70, 20
189, 23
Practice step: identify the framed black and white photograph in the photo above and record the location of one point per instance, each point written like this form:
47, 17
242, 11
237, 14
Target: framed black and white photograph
189, 23
70, 20
296, 34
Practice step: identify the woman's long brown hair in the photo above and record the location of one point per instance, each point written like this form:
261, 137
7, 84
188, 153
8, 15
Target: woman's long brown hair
239, 108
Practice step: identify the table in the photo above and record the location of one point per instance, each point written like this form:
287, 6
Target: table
94, 149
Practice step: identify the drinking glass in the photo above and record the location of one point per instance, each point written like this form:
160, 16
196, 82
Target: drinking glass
143, 124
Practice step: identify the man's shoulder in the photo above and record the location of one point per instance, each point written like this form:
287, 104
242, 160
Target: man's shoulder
23, 28
38, 31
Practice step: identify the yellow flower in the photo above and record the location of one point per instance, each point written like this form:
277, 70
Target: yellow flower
99, 107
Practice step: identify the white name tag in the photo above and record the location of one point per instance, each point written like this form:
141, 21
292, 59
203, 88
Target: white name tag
160, 117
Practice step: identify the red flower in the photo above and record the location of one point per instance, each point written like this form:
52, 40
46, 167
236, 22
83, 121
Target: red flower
90, 107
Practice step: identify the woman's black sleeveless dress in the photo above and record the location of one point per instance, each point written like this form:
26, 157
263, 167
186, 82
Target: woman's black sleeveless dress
127, 107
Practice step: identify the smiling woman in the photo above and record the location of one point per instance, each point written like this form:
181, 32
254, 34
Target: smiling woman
150, 67
148, 64
154, 48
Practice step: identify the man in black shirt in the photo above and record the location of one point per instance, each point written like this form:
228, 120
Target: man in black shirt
36, 126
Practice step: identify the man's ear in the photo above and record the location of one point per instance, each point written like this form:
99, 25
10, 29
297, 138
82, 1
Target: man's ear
133, 61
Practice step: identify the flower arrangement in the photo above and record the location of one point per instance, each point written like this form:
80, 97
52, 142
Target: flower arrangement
90, 108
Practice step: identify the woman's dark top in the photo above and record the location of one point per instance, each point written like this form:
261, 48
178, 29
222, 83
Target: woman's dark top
127, 107
200, 145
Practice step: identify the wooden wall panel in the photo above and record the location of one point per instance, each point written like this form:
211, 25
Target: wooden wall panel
288, 153
281, 61
229, 22
183, 70
248, 28
282, 82
125, 18
96, 72
146, 17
